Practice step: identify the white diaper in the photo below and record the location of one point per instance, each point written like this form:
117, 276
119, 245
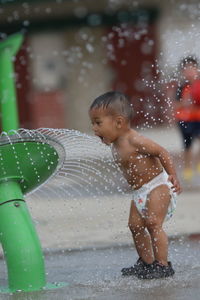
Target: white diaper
140, 196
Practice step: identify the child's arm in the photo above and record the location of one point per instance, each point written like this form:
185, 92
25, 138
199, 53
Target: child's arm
147, 146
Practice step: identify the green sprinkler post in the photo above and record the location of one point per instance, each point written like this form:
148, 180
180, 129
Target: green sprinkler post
21, 246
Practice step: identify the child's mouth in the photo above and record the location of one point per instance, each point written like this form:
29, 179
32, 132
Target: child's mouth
102, 139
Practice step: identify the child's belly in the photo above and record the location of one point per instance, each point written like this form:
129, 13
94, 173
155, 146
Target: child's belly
138, 173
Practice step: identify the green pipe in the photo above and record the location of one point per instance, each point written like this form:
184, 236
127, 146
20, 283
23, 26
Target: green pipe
9, 114
19, 239
21, 246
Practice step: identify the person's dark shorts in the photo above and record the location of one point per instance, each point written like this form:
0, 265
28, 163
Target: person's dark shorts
189, 131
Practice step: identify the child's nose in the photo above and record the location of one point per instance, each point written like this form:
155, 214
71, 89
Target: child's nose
95, 131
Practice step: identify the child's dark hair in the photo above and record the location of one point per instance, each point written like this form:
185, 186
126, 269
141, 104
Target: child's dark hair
116, 102
190, 59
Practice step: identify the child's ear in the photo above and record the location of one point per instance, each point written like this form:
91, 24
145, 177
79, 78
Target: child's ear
119, 122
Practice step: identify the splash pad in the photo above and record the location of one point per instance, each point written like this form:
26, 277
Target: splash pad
28, 159
24, 165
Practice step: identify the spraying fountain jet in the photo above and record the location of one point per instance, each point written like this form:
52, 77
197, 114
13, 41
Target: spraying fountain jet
24, 165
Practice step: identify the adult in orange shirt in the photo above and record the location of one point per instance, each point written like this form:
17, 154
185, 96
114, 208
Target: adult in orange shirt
187, 111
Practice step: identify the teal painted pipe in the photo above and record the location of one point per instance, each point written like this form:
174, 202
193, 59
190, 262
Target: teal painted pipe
18, 236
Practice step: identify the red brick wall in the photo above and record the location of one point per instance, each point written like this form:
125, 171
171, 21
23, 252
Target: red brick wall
47, 109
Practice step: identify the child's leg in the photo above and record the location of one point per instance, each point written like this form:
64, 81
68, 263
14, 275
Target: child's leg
140, 235
188, 158
197, 163
187, 129
157, 207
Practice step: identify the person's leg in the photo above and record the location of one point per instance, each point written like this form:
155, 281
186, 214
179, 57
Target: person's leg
157, 207
188, 158
140, 235
187, 134
197, 135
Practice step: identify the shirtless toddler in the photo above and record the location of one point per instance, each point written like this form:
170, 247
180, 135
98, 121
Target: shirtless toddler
149, 169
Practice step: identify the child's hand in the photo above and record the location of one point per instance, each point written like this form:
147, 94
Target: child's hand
175, 184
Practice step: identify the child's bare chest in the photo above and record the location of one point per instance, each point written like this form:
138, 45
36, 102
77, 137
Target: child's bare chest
127, 158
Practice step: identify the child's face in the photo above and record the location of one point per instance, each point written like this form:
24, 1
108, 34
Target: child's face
190, 72
104, 125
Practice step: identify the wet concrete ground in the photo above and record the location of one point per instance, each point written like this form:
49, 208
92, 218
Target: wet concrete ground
95, 275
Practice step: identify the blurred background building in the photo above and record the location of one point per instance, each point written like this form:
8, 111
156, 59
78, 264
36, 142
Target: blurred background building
74, 50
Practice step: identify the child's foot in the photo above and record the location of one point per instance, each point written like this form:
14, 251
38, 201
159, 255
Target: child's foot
138, 267
156, 271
